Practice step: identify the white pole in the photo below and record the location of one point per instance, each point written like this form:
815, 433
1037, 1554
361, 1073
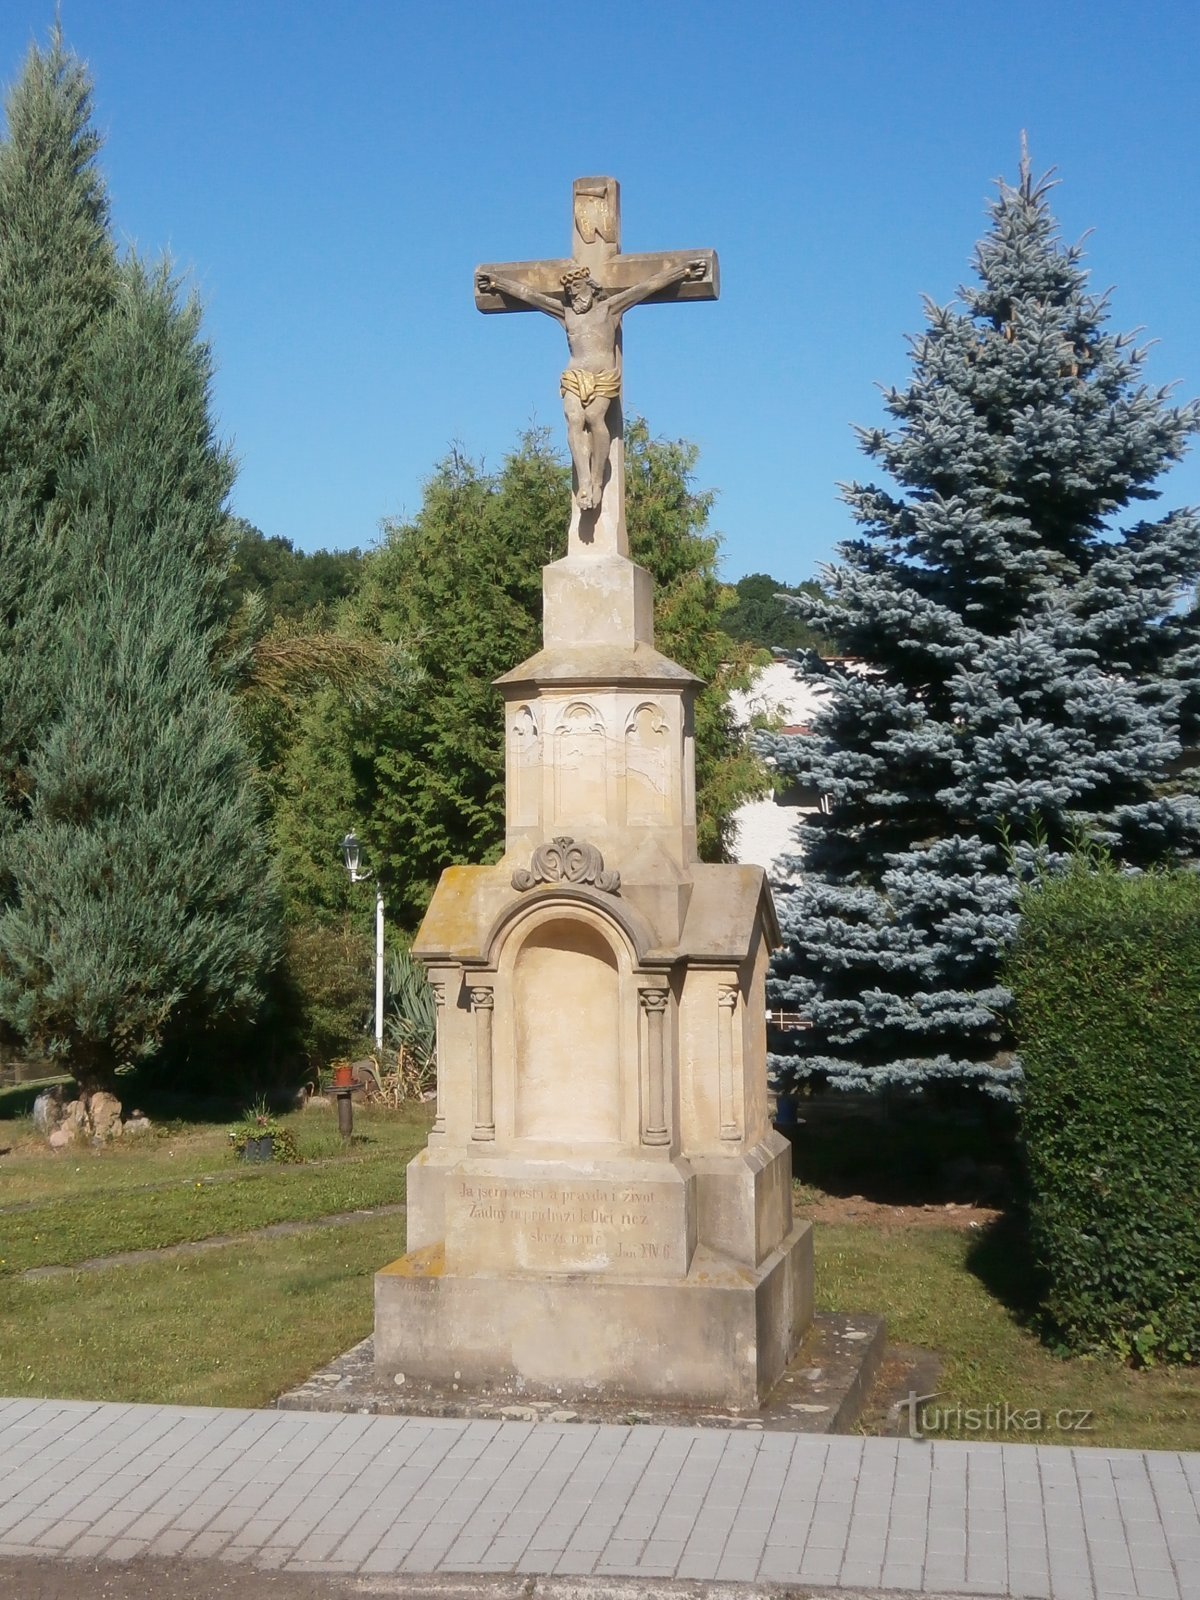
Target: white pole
379, 975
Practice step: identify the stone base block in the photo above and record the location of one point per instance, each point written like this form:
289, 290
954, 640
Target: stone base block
425, 1192
597, 600
746, 1200
721, 1336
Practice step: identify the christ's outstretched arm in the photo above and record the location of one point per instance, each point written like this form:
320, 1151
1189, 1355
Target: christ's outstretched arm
621, 302
488, 283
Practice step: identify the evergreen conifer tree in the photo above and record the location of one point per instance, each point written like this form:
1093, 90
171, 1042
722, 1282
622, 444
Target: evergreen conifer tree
1025, 677
140, 904
58, 275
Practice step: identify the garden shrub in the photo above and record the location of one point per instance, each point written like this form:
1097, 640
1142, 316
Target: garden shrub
325, 990
1106, 975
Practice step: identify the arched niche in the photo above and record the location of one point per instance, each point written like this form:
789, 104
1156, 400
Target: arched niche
569, 1034
580, 761
647, 765
525, 769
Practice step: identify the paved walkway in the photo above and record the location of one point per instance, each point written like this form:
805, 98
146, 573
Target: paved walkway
359, 1494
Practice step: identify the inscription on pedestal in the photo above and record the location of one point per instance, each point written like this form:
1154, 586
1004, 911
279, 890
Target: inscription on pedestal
572, 1226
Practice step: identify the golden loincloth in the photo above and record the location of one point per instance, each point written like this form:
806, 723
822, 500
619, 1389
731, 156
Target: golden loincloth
586, 386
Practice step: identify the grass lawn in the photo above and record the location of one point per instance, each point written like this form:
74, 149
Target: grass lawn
182, 1183
232, 1328
967, 1292
238, 1325
932, 1286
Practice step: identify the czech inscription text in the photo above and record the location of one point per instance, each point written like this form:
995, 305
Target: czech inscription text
570, 1226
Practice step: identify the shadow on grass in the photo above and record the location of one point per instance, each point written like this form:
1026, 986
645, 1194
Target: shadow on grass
910, 1153
17, 1101
166, 1108
916, 1152
1001, 1257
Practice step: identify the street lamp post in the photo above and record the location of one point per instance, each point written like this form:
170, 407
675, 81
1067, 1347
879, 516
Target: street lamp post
352, 855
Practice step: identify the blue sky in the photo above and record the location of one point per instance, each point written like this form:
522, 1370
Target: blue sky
330, 172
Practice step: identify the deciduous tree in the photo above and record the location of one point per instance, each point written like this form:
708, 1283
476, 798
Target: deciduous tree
761, 615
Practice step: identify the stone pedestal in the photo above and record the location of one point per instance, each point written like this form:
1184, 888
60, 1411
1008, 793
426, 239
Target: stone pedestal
603, 1208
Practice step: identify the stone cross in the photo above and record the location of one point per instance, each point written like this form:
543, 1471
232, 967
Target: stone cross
589, 294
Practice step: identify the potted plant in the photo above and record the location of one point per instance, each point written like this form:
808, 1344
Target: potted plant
261, 1137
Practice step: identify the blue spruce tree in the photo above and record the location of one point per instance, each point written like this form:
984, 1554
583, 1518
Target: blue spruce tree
1025, 678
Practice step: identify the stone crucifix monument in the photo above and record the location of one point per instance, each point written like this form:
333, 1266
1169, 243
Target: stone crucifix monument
603, 1209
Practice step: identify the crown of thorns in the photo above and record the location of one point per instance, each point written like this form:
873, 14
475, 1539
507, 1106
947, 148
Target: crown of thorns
578, 275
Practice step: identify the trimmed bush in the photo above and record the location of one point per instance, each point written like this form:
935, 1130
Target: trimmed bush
324, 991
1106, 974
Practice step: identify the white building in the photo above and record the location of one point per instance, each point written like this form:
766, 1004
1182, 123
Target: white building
766, 828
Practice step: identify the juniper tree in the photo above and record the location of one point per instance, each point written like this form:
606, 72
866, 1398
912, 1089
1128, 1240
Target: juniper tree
57, 278
1025, 678
140, 904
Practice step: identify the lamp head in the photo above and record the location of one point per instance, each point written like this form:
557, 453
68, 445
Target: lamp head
351, 854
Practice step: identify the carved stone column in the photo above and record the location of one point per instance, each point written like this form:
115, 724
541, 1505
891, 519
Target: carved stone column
482, 1004
439, 1002
727, 999
654, 1121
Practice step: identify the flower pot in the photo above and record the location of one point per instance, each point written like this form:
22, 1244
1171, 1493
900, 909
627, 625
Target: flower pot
260, 1149
343, 1077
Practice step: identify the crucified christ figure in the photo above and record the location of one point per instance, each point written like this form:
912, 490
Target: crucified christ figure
592, 319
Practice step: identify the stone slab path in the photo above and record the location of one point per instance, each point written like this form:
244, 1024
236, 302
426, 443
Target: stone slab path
350, 1494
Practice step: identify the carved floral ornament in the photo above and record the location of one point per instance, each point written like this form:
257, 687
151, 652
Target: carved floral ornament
566, 860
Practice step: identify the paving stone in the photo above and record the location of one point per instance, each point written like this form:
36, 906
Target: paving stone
575, 1563
538, 1561
991, 1568
125, 1549
1114, 1583
776, 1566
908, 1552
61, 1535
1158, 1586
826, 1536
85, 1548
897, 1575
947, 1574
819, 1568
1072, 1586
171, 1541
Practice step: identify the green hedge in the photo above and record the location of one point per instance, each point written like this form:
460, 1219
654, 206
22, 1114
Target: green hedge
1106, 974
